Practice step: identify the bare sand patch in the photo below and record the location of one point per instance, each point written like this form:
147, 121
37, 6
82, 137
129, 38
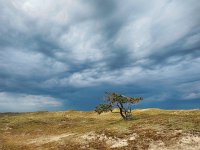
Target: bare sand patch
186, 142
112, 142
48, 139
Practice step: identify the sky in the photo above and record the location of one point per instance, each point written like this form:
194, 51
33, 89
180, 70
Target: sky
60, 55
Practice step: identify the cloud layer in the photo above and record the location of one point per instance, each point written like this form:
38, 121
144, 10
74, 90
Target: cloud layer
73, 51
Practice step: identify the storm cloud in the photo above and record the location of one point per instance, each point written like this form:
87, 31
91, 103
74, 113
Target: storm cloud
65, 54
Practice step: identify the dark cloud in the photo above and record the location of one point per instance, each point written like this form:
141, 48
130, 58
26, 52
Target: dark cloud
66, 54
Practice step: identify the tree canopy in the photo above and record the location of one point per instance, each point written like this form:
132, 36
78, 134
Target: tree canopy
115, 100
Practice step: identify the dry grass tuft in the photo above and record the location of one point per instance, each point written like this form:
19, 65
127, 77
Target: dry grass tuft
150, 129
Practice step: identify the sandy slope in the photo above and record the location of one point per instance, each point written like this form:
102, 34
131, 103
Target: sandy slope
151, 129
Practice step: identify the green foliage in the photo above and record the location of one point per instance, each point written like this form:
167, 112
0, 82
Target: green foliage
103, 108
123, 103
114, 98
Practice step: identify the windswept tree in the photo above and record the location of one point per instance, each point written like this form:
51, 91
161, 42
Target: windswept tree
123, 103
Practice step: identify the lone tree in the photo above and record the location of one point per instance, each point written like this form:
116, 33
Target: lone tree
115, 100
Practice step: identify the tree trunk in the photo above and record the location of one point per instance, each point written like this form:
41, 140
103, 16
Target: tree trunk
121, 113
124, 112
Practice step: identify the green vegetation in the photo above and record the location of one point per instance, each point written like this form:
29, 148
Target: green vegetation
88, 130
123, 103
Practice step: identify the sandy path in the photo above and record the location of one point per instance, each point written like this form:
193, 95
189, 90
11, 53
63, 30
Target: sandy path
47, 139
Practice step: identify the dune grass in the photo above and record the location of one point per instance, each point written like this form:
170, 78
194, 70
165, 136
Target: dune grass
16, 129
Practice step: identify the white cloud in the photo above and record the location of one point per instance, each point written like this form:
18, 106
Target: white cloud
168, 76
136, 36
73, 44
192, 95
83, 41
192, 40
28, 63
24, 102
96, 76
61, 12
149, 32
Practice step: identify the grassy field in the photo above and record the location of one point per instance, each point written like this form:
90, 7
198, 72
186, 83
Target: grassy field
149, 129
